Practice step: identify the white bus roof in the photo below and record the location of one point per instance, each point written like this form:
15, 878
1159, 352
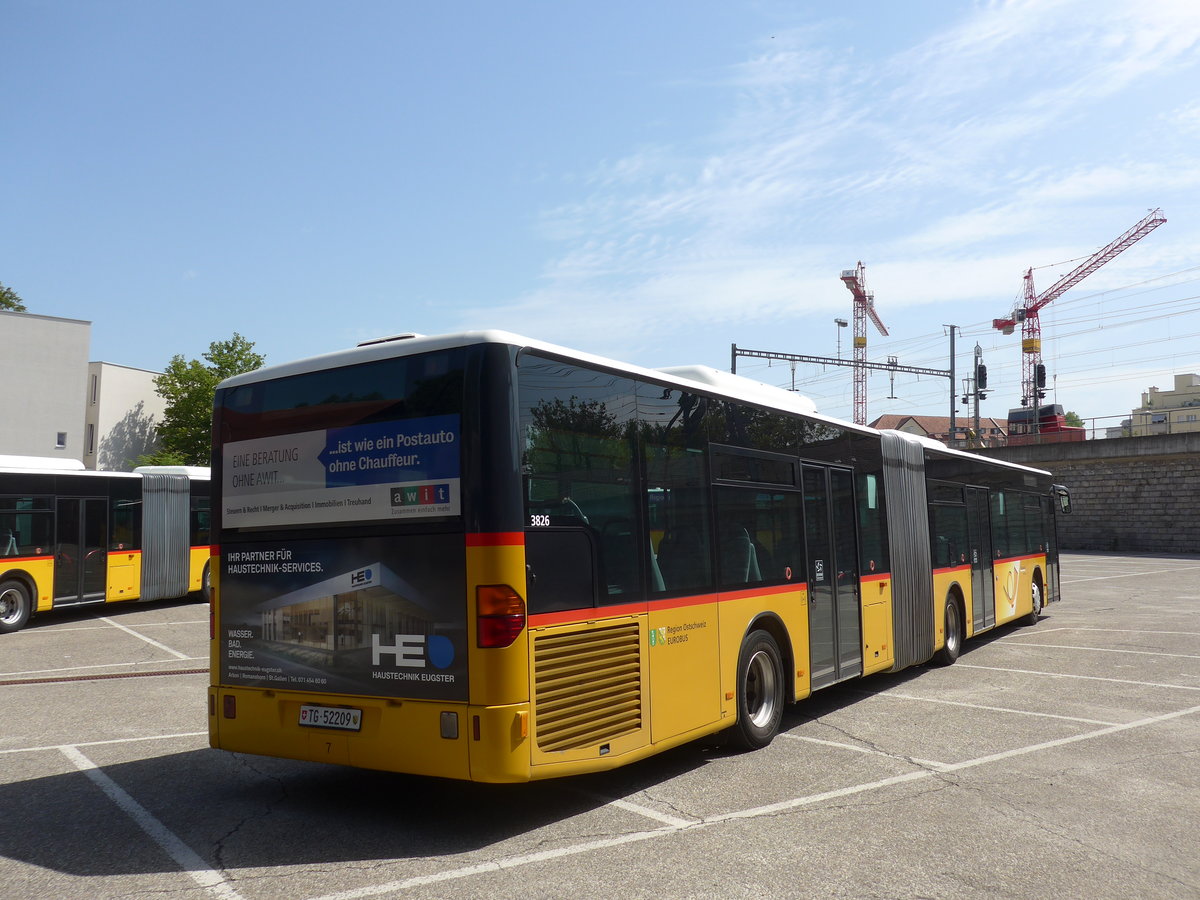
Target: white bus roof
41, 463
200, 473
688, 377
704, 378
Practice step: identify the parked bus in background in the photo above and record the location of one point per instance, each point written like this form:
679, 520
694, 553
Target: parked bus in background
485, 557
1047, 426
71, 537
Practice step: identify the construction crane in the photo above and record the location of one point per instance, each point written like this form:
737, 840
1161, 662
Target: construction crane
864, 308
1033, 373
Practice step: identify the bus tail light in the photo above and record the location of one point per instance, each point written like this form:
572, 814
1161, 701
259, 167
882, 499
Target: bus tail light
500, 611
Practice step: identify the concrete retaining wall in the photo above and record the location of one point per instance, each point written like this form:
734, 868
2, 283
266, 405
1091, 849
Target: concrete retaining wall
1138, 493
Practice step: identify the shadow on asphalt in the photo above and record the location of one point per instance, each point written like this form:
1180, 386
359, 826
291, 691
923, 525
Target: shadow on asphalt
240, 811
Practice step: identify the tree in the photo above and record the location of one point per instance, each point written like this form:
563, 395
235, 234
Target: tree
1073, 419
188, 386
10, 300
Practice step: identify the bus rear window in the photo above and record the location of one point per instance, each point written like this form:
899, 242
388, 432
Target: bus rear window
380, 441
404, 387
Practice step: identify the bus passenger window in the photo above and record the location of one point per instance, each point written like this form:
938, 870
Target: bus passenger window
759, 536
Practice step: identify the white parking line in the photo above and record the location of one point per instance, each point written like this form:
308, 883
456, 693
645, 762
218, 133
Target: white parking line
1178, 687
50, 630
513, 862
1120, 631
132, 740
870, 751
1003, 709
193, 866
1111, 650
638, 809
150, 641
1025, 634
1068, 581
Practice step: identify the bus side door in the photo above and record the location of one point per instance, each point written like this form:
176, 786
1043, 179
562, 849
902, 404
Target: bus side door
835, 630
81, 550
979, 538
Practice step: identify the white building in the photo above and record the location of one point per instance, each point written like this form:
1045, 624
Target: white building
56, 404
44, 372
1169, 412
123, 412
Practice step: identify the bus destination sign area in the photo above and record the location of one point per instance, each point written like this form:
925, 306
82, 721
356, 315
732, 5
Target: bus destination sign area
398, 469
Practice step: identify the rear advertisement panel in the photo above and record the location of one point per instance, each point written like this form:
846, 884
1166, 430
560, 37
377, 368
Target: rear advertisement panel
374, 616
395, 470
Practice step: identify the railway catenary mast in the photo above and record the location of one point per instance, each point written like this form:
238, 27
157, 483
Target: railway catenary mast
1027, 315
864, 307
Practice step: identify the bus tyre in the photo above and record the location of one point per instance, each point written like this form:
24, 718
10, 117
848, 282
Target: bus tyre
15, 606
759, 691
1036, 612
954, 635
206, 584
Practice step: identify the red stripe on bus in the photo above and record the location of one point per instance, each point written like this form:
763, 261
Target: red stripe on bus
947, 569
496, 539
1010, 559
595, 613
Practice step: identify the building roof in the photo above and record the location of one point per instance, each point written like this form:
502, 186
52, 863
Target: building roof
937, 424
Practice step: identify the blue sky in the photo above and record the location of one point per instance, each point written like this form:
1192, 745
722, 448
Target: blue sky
651, 182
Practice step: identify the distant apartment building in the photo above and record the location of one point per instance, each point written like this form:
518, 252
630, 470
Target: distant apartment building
1169, 412
57, 404
44, 373
123, 411
992, 432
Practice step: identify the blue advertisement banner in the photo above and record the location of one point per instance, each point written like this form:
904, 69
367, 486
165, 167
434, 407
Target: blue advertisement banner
397, 469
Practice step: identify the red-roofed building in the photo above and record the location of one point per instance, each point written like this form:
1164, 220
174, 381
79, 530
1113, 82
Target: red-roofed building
993, 432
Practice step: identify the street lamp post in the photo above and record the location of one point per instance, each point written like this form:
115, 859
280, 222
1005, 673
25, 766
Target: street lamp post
841, 323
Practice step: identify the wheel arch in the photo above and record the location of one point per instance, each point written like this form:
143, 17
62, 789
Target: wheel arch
27, 584
27, 581
771, 623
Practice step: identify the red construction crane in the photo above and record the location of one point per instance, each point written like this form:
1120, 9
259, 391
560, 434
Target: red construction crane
1033, 373
864, 308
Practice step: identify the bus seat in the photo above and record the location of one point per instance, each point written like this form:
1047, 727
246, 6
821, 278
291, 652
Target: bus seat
683, 559
657, 585
739, 562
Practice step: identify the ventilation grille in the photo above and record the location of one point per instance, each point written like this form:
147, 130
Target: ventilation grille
587, 686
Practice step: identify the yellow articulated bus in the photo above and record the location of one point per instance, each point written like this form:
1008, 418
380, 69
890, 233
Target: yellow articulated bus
71, 537
484, 557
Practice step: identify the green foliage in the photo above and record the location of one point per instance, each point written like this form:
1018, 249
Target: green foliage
1073, 419
188, 386
161, 458
9, 299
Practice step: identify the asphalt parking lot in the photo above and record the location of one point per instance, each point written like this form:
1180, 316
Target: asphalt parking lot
1058, 760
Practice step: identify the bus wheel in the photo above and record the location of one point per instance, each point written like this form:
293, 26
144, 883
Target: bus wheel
206, 585
1038, 603
15, 606
759, 691
954, 636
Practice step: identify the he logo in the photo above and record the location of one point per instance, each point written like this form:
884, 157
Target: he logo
361, 577
408, 651
415, 651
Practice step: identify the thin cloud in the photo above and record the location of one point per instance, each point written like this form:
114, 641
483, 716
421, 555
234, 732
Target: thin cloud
949, 166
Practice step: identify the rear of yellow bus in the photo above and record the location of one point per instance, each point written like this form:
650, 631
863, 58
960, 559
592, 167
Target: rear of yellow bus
369, 563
